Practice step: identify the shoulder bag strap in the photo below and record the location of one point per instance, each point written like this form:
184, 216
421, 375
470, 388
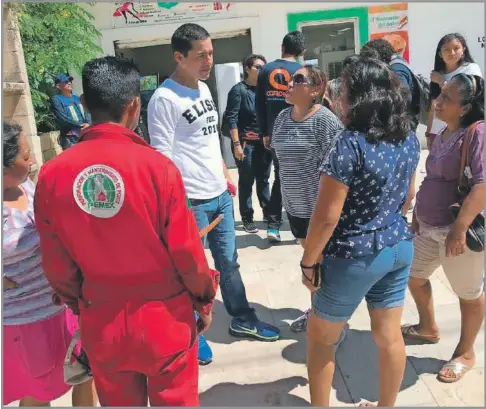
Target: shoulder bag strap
465, 152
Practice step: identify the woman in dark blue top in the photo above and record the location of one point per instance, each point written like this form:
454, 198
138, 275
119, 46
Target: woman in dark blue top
365, 191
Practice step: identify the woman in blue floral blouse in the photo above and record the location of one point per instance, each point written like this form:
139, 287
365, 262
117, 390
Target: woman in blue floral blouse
358, 220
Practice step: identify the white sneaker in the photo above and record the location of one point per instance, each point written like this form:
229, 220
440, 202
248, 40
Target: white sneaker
300, 324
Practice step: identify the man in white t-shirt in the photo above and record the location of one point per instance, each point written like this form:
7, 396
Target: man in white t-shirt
183, 125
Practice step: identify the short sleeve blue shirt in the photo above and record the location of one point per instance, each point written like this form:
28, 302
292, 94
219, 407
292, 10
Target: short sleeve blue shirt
378, 176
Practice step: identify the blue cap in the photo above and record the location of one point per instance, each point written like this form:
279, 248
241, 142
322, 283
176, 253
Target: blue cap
63, 78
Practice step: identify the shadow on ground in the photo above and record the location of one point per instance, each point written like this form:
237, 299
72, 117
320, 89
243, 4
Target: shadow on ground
218, 332
357, 361
254, 240
255, 395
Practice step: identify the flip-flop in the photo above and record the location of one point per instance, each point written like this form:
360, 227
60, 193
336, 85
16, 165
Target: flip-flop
409, 331
458, 369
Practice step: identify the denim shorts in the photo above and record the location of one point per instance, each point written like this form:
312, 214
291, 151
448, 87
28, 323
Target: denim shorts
380, 278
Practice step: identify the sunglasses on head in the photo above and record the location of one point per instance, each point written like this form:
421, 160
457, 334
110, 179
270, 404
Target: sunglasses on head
301, 79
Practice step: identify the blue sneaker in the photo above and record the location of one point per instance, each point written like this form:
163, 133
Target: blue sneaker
257, 330
204, 354
273, 235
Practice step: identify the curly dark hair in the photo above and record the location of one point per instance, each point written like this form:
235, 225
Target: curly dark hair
10, 139
352, 58
377, 101
250, 60
378, 49
471, 92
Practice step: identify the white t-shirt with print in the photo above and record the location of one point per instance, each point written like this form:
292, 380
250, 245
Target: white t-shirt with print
183, 125
469, 69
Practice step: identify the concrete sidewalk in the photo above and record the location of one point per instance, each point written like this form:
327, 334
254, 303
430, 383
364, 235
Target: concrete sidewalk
249, 373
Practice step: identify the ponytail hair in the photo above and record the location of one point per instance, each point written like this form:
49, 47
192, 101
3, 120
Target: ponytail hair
471, 93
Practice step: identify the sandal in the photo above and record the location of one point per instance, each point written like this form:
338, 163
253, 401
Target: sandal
409, 331
457, 368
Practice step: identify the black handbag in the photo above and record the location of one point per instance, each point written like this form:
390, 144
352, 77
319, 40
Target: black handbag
475, 232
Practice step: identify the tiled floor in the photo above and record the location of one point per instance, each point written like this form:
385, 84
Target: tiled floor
248, 373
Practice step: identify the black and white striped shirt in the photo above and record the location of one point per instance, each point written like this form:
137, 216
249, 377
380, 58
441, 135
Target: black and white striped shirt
300, 147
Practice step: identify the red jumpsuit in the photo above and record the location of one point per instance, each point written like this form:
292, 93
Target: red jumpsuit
121, 247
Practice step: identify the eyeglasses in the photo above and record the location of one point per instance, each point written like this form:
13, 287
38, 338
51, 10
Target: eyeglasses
301, 79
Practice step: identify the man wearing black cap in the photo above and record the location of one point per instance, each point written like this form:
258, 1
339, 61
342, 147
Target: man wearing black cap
69, 112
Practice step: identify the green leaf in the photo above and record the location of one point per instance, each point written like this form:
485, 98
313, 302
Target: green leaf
56, 38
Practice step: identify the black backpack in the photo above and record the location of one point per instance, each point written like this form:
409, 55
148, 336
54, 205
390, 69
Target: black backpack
421, 99
225, 130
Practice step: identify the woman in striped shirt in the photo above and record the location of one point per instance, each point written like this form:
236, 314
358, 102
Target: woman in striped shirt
302, 135
37, 333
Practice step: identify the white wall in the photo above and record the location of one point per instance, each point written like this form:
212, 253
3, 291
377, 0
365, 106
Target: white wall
428, 22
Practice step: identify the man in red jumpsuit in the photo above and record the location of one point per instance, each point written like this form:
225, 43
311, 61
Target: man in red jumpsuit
121, 247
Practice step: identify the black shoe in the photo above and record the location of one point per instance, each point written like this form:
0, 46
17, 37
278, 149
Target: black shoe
250, 226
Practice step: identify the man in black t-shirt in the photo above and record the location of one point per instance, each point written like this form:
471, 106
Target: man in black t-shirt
272, 86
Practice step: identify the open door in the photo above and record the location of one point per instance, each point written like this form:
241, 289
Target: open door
330, 42
226, 76
331, 35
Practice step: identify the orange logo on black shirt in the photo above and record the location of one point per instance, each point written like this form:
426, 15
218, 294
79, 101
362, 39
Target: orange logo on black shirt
279, 80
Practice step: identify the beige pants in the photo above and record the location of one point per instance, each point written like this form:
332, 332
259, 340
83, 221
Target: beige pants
465, 272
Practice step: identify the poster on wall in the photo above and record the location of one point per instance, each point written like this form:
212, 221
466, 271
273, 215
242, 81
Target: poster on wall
141, 13
390, 22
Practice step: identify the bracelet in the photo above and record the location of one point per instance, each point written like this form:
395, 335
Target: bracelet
236, 143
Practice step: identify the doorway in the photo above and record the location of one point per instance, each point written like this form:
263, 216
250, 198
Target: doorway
331, 35
154, 58
329, 43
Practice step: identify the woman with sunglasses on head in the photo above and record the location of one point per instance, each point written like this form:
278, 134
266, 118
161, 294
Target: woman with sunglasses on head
302, 136
452, 57
440, 240
254, 162
366, 183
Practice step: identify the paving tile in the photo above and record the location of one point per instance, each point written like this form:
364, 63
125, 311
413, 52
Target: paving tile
469, 391
428, 359
250, 373
295, 355
357, 359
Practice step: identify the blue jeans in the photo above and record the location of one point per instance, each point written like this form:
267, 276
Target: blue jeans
222, 243
380, 278
255, 167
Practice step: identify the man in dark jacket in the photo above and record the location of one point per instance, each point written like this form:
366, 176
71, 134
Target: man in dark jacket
272, 86
69, 112
252, 159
